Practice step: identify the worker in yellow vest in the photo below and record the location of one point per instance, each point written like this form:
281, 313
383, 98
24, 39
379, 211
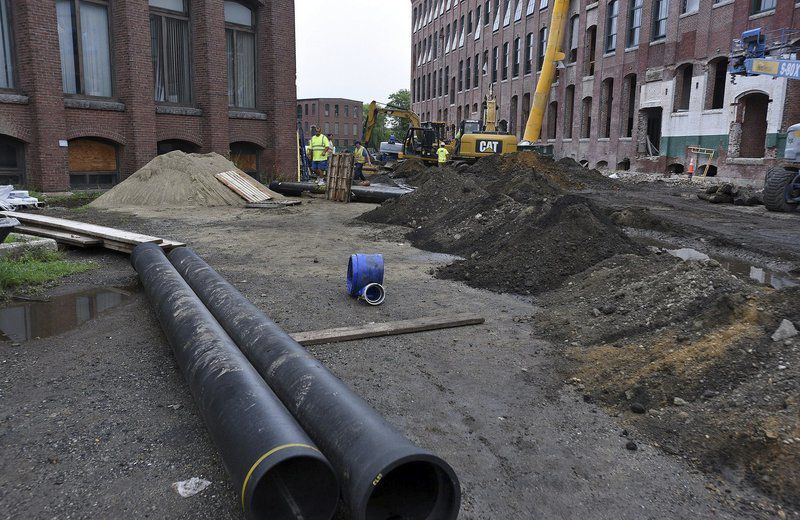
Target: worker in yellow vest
441, 154
361, 156
320, 147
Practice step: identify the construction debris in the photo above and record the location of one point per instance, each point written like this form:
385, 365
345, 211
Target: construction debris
11, 199
177, 180
80, 234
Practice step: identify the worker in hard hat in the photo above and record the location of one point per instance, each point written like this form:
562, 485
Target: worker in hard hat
361, 157
441, 154
320, 147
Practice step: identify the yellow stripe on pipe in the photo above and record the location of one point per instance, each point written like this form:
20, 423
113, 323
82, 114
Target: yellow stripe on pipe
264, 457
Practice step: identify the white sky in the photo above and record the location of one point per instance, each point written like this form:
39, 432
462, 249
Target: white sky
356, 49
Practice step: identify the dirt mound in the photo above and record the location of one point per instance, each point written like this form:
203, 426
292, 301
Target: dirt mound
176, 180
567, 175
409, 168
683, 350
511, 219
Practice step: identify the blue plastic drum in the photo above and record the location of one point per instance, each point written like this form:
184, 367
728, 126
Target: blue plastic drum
363, 270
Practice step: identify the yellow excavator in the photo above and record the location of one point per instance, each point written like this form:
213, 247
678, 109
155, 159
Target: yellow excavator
421, 141
480, 138
552, 55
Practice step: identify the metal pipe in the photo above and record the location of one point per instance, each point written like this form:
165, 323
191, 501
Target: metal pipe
383, 475
359, 193
279, 470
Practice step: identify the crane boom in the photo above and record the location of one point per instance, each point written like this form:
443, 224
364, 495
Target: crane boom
533, 129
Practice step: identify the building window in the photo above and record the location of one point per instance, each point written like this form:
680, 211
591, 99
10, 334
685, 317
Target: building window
529, 42
531, 7
586, 117
460, 76
336, 128
507, 17
487, 12
660, 9
469, 23
336, 110
517, 52
497, 13
505, 60
485, 65
518, 11
347, 111
478, 22
84, 42
542, 4
169, 39
717, 78
241, 49
468, 77
590, 50
574, 27
463, 33
476, 71
6, 63
92, 163
12, 158
683, 87
494, 64
440, 92
690, 6
759, 6
245, 157
612, 15
542, 47
327, 110
313, 109
629, 97
447, 80
569, 102
606, 106
552, 120
635, 23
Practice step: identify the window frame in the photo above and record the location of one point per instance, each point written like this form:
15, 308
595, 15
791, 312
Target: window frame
612, 25
516, 60
761, 8
12, 62
78, 49
185, 16
656, 35
253, 29
636, 6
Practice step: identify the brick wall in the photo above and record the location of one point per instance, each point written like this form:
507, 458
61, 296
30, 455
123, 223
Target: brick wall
346, 118
38, 113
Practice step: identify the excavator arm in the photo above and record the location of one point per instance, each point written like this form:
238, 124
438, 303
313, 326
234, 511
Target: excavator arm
558, 20
374, 110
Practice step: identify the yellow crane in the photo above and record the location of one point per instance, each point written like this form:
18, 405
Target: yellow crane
553, 54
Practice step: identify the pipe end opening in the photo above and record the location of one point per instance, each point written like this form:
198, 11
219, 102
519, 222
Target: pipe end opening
416, 490
373, 294
297, 487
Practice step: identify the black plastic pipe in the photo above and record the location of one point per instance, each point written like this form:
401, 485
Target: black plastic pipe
383, 475
279, 470
376, 194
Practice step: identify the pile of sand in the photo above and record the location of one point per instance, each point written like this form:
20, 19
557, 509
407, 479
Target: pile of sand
178, 180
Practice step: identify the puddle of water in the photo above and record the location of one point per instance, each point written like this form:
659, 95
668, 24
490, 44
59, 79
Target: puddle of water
26, 320
764, 276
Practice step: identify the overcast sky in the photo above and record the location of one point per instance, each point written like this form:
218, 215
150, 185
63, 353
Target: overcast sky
356, 49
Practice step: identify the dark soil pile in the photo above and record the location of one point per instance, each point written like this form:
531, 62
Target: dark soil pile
512, 219
684, 351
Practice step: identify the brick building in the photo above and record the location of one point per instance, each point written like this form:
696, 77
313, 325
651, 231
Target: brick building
91, 90
341, 118
643, 80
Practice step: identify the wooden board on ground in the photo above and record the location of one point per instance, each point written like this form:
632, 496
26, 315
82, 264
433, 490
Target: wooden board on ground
81, 228
241, 186
271, 204
373, 330
59, 236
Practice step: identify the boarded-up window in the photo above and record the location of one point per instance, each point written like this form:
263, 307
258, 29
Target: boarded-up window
92, 162
245, 157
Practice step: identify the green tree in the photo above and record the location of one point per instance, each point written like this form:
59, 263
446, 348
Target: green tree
395, 125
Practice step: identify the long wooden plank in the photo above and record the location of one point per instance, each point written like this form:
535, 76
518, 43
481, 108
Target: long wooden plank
234, 181
391, 328
82, 228
59, 236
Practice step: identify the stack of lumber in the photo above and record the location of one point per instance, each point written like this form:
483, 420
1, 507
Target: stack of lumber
254, 193
340, 177
80, 234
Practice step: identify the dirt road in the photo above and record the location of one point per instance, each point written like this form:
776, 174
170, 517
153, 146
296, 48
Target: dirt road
97, 422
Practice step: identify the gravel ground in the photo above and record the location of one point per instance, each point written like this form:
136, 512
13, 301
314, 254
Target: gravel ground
98, 422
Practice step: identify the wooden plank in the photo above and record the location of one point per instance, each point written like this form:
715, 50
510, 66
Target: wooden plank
82, 228
59, 236
236, 183
374, 330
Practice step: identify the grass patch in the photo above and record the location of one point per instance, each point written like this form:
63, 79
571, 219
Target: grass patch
36, 267
76, 200
10, 239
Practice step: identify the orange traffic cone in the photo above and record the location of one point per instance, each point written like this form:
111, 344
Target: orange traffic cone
691, 166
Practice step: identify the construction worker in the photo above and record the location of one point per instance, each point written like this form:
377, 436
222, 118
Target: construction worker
320, 147
330, 140
361, 156
442, 154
